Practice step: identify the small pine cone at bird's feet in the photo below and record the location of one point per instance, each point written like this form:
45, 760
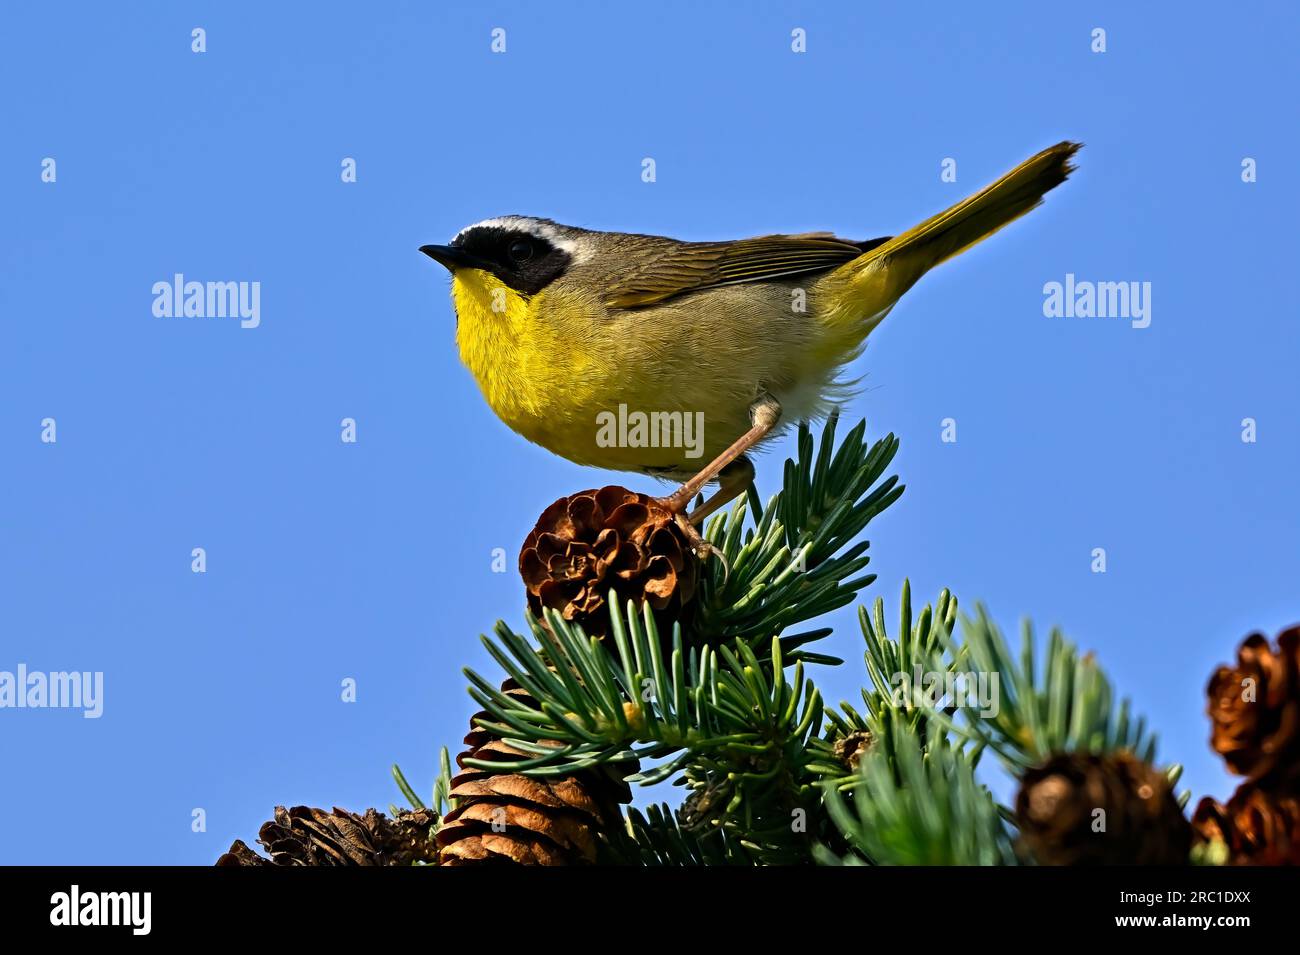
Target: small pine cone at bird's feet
507, 817
1254, 709
1113, 809
306, 836
588, 543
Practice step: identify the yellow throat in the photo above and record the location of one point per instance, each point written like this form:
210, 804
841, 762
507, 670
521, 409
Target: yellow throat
531, 375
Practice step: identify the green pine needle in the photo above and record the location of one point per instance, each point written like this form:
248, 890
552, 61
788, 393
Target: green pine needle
1065, 705
917, 804
800, 558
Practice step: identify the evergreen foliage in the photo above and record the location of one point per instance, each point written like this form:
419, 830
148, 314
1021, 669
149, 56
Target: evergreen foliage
724, 704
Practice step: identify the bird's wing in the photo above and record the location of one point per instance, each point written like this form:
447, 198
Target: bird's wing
692, 266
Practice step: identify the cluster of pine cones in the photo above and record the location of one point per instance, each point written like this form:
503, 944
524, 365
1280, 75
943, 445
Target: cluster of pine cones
1255, 711
306, 836
583, 546
1080, 809
1075, 809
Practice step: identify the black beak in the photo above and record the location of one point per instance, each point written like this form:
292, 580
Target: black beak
452, 258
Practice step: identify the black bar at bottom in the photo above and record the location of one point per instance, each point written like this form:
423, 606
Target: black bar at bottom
659, 905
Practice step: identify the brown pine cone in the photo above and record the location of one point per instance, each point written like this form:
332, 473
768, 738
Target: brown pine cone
1257, 827
701, 808
513, 818
1255, 708
306, 836
589, 542
1140, 822
850, 749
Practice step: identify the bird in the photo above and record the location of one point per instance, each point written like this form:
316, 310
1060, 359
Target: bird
572, 333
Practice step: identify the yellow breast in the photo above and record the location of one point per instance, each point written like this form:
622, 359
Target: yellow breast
668, 387
538, 380
626, 394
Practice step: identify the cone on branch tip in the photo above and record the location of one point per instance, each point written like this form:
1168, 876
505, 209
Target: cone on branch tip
1256, 827
508, 817
306, 836
593, 541
1112, 809
1254, 709
850, 749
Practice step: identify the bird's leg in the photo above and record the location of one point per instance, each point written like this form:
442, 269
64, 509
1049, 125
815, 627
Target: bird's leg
733, 481
764, 413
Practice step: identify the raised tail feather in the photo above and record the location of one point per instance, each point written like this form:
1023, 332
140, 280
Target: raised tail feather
906, 257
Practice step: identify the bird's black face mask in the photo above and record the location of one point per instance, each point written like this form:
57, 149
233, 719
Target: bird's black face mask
522, 260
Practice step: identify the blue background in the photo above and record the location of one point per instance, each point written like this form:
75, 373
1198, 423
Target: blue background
373, 561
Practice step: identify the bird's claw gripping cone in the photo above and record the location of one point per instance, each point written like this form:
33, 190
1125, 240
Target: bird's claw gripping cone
700, 546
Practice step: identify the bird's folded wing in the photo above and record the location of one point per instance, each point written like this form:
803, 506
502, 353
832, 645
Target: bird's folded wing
692, 266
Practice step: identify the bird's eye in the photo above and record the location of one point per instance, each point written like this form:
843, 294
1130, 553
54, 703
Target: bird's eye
521, 250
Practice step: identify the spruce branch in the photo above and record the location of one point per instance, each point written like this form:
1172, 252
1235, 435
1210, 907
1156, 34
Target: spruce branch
442, 801
761, 794
896, 789
899, 670
730, 722
713, 706
660, 840
635, 697
798, 560
1066, 705
591, 706
917, 803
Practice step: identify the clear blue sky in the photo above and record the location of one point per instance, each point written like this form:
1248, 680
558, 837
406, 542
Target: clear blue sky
372, 561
